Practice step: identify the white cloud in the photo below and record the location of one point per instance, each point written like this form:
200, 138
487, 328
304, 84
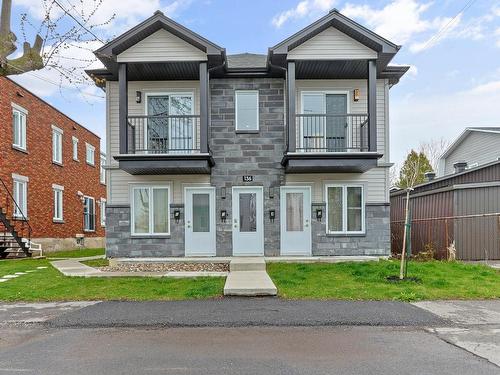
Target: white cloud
485, 88
305, 8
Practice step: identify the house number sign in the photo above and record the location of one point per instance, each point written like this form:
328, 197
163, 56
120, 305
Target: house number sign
247, 178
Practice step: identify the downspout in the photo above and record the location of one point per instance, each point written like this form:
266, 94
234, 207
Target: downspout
270, 64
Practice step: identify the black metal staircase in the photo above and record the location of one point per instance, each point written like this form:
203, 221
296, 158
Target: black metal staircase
15, 231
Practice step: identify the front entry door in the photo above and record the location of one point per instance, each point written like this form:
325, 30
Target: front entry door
200, 221
248, 221
295, 207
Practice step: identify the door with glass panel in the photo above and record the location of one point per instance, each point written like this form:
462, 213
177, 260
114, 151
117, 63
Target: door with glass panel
200, 221
248, 221
324, 124
170, 128
295, 207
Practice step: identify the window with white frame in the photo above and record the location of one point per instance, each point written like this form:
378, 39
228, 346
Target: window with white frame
58, 202
19, 115
102, 171
75, 148
88, 214
345, 205
150, 210
20, 195
103, 212
247, 110
57, 135
89, 154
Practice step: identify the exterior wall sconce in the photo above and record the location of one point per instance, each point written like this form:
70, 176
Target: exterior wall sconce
355, 96
80, 196
223, 215
271, 193
272, 215
177, 216
319, 214
223, 192
138, 96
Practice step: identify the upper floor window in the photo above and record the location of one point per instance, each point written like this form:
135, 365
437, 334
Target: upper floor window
89, 154
102, 171
57, 135
19, 115
58, 202
75, 148
247, 110
345, 206
20, 195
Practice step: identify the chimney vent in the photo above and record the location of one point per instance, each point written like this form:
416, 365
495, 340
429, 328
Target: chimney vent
460, 166
429, 176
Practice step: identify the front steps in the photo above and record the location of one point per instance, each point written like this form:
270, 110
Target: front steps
248, 277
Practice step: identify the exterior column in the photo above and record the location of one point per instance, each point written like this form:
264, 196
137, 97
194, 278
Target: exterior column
203, 107
372, 105
291, 124
123, 107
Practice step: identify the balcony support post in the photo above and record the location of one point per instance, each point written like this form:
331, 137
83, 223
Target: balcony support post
204, 87
372, 105
290, 89
123, 107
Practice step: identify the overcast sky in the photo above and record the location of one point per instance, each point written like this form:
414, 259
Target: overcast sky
453, 47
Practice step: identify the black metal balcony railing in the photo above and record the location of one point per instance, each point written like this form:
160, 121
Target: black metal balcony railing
332, 133
176, 134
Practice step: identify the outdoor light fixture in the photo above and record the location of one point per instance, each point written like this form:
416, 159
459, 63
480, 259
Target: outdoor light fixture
138, 96
223, 192
271, 193
223, 215
319, 214
356, 95
272, 215
177, 216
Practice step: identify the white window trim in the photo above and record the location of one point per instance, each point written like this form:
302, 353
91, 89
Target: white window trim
103, 212
55, 129
18, 108
236, 92
344, 187
150, 186
102, 170
75, 142
89, 230
59, 189
23, 180
88, 147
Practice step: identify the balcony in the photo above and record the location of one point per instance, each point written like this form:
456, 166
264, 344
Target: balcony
164, 145
330, 143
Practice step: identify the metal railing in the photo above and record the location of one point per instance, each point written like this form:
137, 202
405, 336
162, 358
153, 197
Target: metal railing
176, 134
20, 223
331, 133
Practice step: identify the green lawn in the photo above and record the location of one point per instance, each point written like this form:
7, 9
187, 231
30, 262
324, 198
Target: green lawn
96, 262
367, 281
50, 285
77, 253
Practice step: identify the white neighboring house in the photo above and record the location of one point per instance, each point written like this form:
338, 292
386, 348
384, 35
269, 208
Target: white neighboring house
474, 147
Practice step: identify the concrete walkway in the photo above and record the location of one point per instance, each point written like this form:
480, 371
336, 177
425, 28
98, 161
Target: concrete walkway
248, 277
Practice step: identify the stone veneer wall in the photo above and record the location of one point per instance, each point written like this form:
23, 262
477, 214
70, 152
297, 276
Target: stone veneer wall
119, 243
239, 154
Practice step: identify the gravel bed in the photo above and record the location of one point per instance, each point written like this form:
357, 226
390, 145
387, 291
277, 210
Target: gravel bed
167, 267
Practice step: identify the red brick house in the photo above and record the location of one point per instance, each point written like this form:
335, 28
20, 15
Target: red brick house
52, 168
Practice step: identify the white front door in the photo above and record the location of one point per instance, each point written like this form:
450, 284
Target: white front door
248, 221
200, 221
295, 207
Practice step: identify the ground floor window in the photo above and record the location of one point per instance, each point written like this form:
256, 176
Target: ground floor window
150, 210
58, 202
103, 212
88, 214
20, 194
345, 209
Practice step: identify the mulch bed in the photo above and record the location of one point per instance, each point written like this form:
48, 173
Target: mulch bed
167, 267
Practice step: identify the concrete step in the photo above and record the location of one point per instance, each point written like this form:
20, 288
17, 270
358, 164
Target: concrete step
249, 284
247, 264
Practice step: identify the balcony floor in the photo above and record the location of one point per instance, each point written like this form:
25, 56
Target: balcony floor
329, 162
156, 164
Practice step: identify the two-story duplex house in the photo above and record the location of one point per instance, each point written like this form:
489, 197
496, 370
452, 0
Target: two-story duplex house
246, 155
52, 181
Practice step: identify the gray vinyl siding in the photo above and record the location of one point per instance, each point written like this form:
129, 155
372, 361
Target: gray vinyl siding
331, 44
360, 106
162, 46
477, 147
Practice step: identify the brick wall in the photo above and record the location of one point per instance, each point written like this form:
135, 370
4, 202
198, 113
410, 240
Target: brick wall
36, 164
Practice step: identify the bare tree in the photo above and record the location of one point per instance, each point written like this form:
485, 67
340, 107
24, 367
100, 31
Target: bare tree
434, 149
60, 29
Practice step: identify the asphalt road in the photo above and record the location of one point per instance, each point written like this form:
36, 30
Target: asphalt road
254, 350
